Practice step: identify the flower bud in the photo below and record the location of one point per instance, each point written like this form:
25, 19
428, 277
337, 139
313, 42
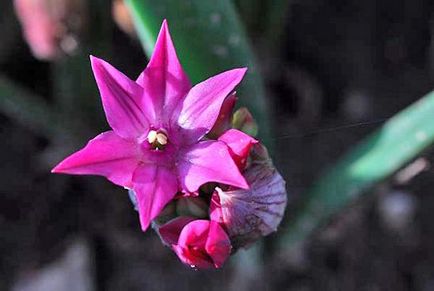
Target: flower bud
224, 119
198, 243
239, 145
249, 214
243, 120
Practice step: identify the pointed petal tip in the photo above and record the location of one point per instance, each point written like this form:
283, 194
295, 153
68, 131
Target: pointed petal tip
98, 63
58, 169
61, 169
94, 59
242, 70
164, 28
144, 226
244, 185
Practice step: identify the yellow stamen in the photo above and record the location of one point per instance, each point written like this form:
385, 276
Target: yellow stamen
161, 138
152, 136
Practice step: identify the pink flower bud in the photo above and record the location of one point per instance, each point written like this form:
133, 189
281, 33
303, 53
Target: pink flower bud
244, 121
249, 214
198, 243
224, 119
239, 145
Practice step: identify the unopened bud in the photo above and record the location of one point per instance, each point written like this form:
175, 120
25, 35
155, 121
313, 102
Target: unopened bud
224, 119
244, 121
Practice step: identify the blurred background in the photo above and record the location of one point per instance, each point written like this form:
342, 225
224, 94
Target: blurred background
333, 72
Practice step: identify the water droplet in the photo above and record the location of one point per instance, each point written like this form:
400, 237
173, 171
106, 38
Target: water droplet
193, 267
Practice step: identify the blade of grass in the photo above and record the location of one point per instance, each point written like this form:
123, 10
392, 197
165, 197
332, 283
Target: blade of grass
380, 155
28, 109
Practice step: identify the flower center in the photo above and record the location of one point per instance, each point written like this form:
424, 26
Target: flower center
158, 139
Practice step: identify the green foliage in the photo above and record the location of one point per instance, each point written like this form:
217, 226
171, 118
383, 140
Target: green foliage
398, 141
28, 109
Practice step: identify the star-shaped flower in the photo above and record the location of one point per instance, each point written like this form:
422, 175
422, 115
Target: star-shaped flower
156, 146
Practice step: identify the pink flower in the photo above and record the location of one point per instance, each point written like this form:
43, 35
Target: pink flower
155, 146
198, 243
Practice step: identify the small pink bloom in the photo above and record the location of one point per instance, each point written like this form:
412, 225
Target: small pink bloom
155, 146
239, 145
198, 243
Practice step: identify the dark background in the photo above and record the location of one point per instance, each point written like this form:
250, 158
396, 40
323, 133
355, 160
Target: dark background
339, 69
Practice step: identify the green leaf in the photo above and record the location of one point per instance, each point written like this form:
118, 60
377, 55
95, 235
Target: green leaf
398, 141
209, 39
30, 110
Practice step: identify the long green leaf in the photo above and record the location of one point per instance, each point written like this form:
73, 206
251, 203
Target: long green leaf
398, 141
28, 109
209, 39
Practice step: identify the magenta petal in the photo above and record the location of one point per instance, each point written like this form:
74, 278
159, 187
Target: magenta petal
218, 246
204, 244
121, 98
201, 106
208, 161
239, 145
164, 78
155, 186
194, 233
107, 155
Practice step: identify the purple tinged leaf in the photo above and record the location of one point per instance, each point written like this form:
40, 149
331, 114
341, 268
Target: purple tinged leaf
249, 214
